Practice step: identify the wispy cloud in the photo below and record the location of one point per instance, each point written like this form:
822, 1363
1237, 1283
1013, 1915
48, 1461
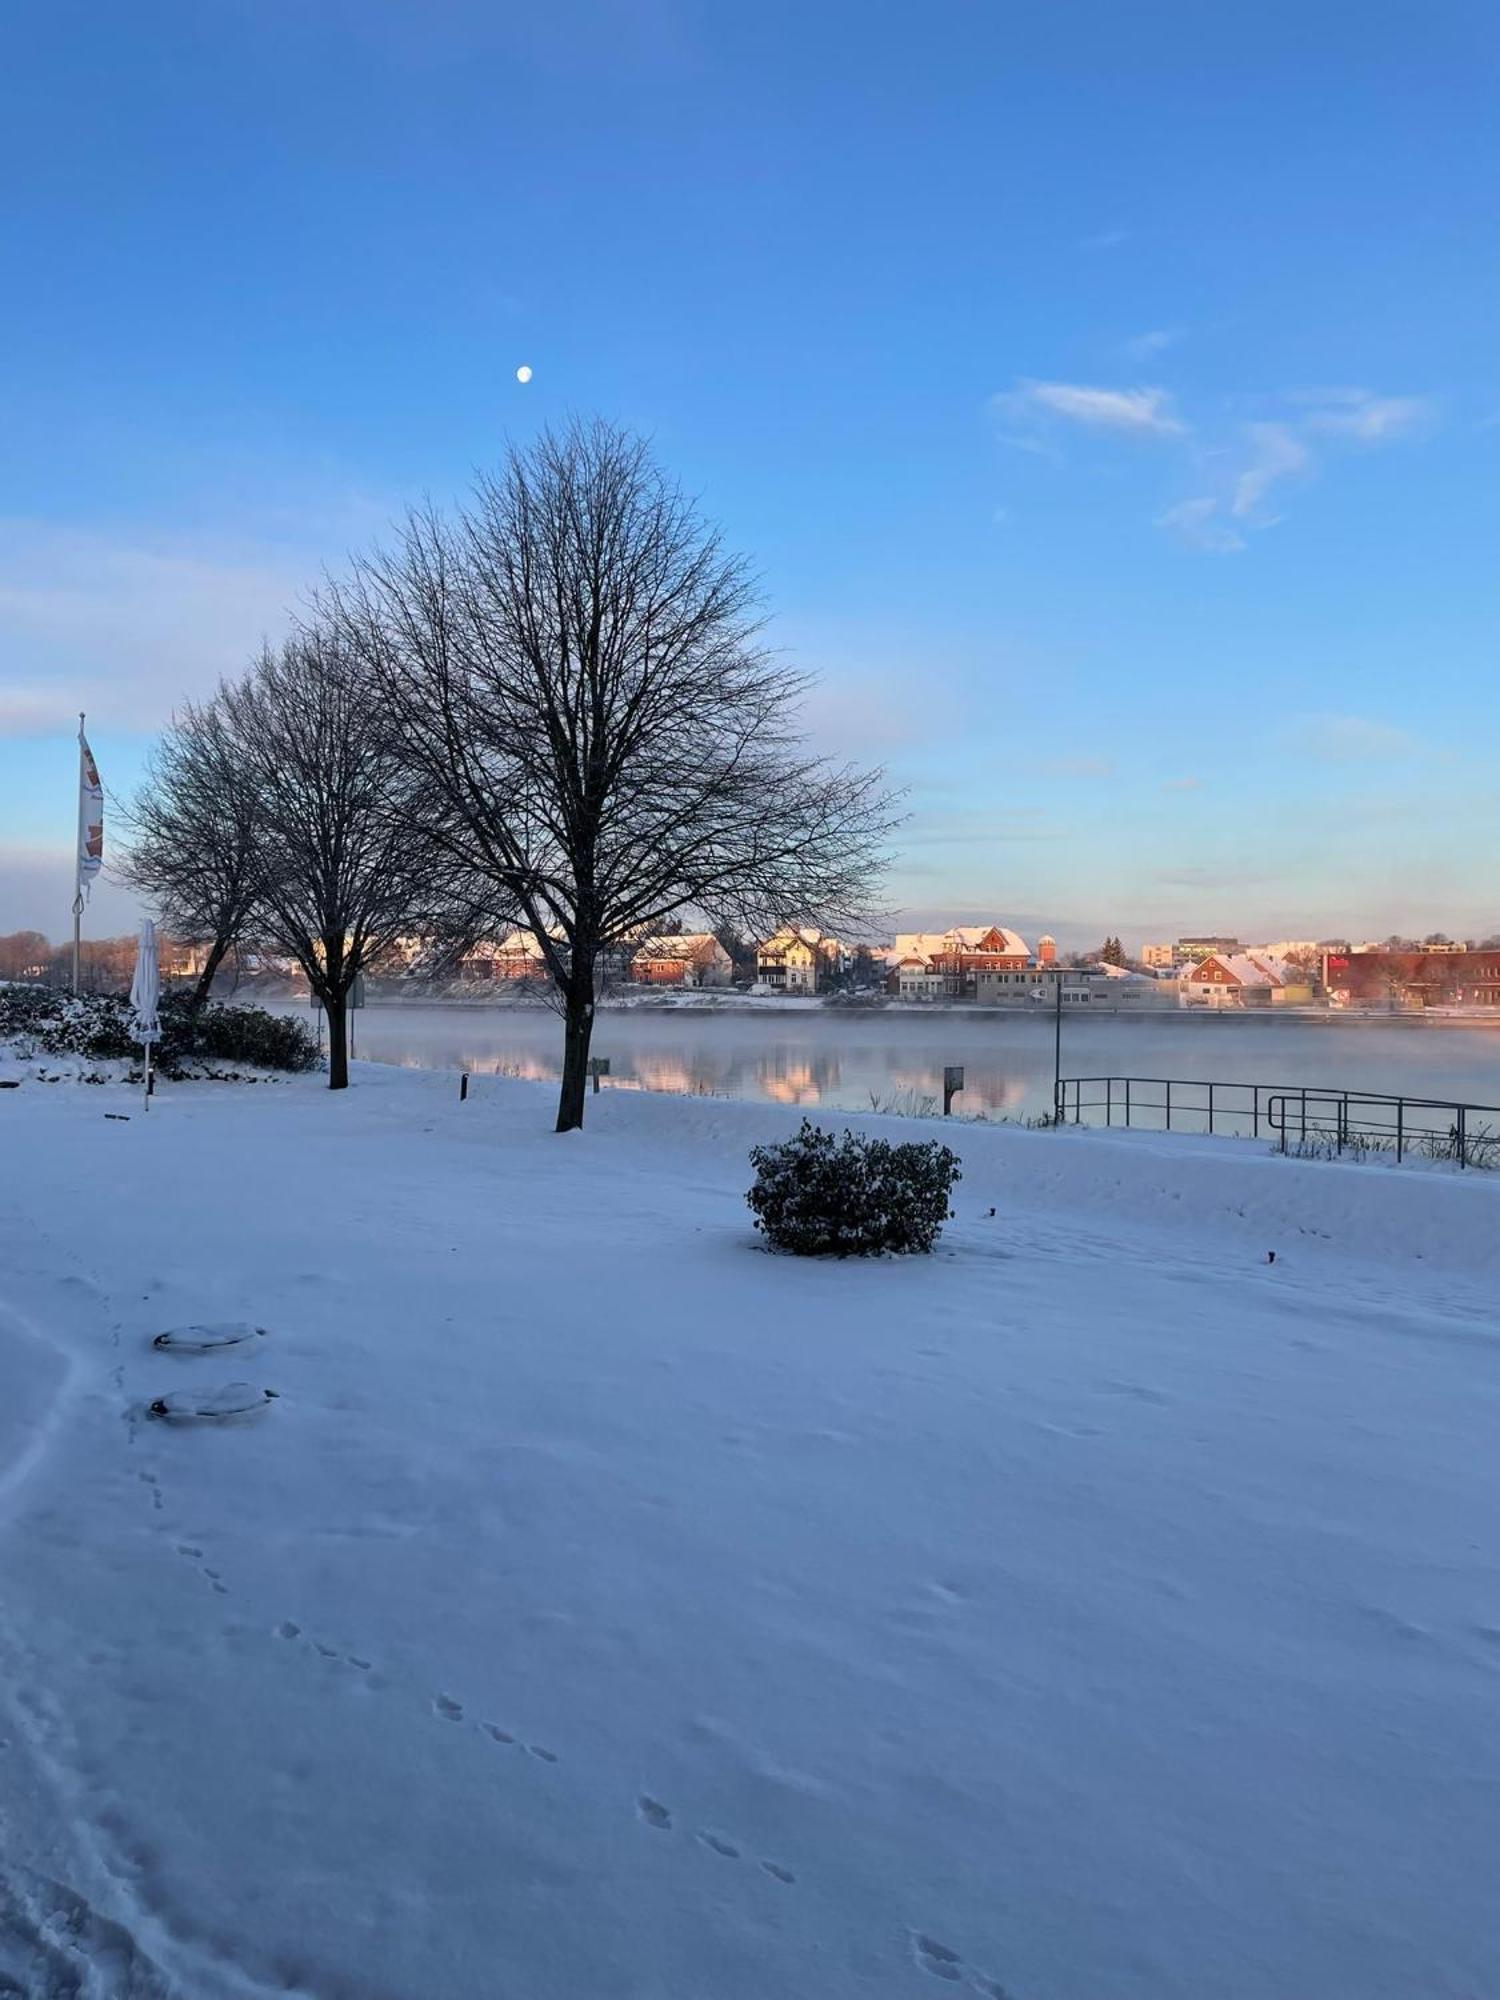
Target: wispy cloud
1105, 239
1276, 452
1182, 784
1247, 469
1201, 523
1141, 346
1351, 739
126, 628
1135, 413
1365, 418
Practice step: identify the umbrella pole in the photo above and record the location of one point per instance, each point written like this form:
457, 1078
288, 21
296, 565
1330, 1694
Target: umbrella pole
147, 1105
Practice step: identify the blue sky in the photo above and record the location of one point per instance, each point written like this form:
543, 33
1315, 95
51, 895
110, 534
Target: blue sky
1107, 396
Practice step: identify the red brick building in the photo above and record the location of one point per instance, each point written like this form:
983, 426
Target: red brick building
1413, 979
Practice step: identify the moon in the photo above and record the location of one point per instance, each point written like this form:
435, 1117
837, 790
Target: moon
523, 373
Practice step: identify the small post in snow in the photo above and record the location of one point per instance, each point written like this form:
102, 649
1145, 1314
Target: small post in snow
463, 1087
598, 1066
953, 1082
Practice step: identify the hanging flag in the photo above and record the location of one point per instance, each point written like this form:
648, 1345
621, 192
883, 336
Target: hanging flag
90, 814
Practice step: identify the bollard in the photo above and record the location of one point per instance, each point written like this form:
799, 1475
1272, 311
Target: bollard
463, 1087
953, 1082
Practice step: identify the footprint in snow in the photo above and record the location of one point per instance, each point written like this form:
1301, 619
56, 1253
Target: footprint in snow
943, 1962
449, 1709
938, 1959
656, 1815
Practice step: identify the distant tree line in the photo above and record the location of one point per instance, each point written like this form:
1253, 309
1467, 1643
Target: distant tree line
105, 964
548, 711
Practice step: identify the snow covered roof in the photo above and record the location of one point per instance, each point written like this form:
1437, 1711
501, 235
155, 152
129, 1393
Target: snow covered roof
791, 935
681, 944
1243, 966
518, 944
962, 938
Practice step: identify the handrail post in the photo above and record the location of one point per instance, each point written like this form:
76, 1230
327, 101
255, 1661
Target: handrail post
1169, 1104
1463, 1148
1400, 1125
1127, 1100
1210, 1110
1255, 1111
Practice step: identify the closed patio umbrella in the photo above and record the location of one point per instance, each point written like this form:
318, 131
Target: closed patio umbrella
145, 991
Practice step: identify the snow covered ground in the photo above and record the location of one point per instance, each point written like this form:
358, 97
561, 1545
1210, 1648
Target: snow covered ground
1094, 1611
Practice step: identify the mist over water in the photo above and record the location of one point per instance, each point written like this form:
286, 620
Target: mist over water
845, 1060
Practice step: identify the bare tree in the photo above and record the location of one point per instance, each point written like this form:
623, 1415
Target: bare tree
192, 844
24, 955
340, 869
574, 672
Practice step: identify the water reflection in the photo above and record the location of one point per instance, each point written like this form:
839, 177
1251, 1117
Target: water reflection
854, 1062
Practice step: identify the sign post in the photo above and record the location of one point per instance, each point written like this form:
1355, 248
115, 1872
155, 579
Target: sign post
953, 1082
598, 1066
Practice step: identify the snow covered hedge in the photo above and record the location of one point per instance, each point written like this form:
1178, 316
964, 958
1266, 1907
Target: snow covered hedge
96, 1027
818, 1196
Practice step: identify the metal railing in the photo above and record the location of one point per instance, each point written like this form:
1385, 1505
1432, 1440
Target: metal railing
1339, 1119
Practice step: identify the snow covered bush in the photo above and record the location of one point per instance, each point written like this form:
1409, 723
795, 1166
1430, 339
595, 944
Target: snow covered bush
241, 1034
96, 1027
817, 1196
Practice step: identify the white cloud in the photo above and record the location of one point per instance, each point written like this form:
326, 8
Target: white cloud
1182, 784
1201, 523
1276, 453
1106, 239
1125, 412
1365, 418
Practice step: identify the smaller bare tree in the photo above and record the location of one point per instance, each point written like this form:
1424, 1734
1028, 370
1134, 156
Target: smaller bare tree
340, 867
192, 845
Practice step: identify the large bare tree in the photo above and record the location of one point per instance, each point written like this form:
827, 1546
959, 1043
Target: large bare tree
341, 870
192, 836
574, 671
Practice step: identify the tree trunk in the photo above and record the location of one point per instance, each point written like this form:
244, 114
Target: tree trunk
217, 953
578, 1031
337, 1010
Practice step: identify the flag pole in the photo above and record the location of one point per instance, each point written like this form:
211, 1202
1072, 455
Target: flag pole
78, 862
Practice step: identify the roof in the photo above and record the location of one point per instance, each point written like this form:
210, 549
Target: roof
962, 937
681, 944
518, 944
1247, 967
792, 935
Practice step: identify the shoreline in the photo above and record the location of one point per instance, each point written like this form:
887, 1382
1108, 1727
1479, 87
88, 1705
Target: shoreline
830, 1008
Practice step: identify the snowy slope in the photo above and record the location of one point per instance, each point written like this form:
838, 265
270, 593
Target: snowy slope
1091, 1612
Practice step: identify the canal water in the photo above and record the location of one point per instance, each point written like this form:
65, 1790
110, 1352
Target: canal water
847, 1059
